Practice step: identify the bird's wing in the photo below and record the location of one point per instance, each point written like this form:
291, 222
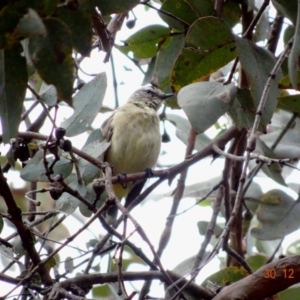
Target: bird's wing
108, 128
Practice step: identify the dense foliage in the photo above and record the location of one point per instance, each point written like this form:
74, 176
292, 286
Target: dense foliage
233, 58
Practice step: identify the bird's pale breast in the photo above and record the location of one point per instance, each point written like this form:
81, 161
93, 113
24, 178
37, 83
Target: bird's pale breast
136, 140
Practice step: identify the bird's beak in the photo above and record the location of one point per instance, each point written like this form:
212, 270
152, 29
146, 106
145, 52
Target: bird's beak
165, 96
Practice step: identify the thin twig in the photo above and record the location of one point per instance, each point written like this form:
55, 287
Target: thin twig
208, 234
115, 83
166, 234
40, 99
256, 19
210, 229
256, 156
250, 148
53, 253
253, 173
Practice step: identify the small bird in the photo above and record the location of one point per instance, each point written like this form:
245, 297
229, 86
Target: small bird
133, 130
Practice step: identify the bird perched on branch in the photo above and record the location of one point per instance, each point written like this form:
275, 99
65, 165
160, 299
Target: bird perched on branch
133, 130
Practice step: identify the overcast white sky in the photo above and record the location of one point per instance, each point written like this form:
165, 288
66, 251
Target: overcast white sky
185, 241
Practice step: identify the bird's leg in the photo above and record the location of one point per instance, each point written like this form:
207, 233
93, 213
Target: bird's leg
120, 179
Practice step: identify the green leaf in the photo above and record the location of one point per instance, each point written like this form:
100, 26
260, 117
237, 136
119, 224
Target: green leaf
257, 64
190, 10
257, 261
205, 102
287, 8
48, 94
102, 291
231, 12
269, 247
186, 266
146, 42
278, 215
293, 248
13, 82
290, 294
43, 7
226, 276
149, 74
285, 82
274, 170
95, 149
35, 168
30, 25
7, 256
290, 103
202, 227
18, 247
195, 65
293, 59
288, 33
69, 264
209, 33
90, 196
80, 24
183, 128
243, 110
165, 61
186, 10
87, 103
10, 16
205, 54
263, 28
288, 147
93, 146
19, 19
108, 7
52, 56
68, 203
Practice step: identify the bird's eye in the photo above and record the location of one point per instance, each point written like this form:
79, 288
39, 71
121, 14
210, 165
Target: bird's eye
148, 91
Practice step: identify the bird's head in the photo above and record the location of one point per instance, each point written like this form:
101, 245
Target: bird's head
149, 95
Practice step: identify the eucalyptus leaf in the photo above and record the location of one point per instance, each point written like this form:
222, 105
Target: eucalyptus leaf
37, 172
165, 61
95, 146
145, 43
48, 94
69, 264
186, 266
257, 64
183, 128
287, 8
205, 102
52, 56
273, 171
108, 7
289, 145
13, 82
31, 24
186, 10
79, 22
95, 149
278, 215
293, 58
87, 103
68, 203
